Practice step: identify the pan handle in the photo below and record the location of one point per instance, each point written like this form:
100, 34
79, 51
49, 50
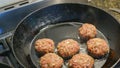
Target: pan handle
4, 49
117, 64
115, 9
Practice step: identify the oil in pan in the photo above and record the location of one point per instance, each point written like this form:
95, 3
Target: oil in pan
61, 31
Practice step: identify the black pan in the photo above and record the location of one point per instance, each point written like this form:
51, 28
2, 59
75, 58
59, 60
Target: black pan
62, 15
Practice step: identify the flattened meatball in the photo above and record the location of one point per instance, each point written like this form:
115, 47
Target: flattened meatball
44, 46
81, 61
97, 47
51, 60
68, 48
87, 31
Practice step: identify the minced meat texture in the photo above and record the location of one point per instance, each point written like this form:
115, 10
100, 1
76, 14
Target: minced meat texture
87, 31
68, 48
51, 60
97, 47
44, 46
81, 61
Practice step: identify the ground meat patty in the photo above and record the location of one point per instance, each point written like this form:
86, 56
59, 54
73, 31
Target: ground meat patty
81, 61
68, 48
97, 47
87, 31
51, 60
44, 46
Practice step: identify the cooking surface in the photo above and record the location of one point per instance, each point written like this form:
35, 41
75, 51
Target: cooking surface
8, 2
62, 31
12, 17
8, 21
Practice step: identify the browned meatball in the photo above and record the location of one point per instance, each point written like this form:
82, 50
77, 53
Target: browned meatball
97, 47
87, 31
81, 61
68, 48
51, 60
44, 46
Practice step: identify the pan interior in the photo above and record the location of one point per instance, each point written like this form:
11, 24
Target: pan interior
59, 32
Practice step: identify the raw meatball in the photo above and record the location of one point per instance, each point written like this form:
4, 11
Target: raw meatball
81, 61
68, 48
51, 60
44, 46
87, 31
97, 47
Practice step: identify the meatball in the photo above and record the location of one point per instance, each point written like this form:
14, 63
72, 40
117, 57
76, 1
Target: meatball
51, 60
87, 31
68, 48
44, 46
81, 61
97, 47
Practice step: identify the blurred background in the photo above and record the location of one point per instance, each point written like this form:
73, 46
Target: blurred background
111, 6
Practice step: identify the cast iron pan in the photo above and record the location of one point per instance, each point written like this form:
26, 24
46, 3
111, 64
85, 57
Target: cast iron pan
63, 19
